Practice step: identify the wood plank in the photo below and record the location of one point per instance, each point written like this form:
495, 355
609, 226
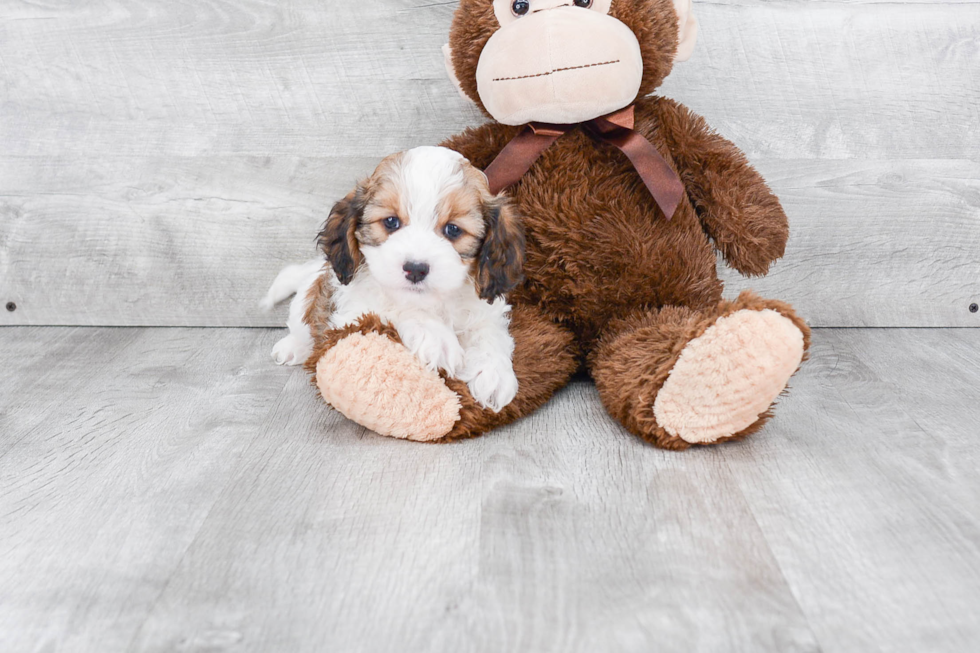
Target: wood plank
163, 161
561, 533
185, 494
196, 242
796, 79
45, 372
323, 515
784, 79
153, 77
101, 497
866, 490
876, 243
169, 242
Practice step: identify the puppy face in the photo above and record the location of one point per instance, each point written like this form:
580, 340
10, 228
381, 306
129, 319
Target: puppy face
424, 224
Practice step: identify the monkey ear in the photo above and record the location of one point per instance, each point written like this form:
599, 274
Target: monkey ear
688, 24
338, 238
451, 71
501, 261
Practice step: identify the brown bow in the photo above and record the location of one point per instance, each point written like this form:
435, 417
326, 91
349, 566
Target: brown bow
519, 155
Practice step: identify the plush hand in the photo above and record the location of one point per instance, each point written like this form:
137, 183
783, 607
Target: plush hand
735, 205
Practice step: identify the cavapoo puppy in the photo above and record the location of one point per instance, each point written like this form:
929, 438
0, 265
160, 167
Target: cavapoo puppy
424, 245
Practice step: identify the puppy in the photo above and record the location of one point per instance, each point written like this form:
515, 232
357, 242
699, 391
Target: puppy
424, 245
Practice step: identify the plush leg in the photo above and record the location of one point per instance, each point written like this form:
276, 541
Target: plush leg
365, 373
678, 377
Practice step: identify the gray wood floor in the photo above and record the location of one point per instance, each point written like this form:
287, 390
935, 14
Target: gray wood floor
172, 490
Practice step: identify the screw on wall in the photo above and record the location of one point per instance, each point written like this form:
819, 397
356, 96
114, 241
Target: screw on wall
974, 308
11, 307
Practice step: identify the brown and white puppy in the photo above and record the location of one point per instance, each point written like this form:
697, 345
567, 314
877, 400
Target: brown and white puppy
423, 245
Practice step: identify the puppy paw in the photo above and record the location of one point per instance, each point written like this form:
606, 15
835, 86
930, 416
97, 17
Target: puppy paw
491, 379
435, 345
292, 351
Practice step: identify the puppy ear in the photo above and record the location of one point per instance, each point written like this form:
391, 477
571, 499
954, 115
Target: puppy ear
501, 263
338, 239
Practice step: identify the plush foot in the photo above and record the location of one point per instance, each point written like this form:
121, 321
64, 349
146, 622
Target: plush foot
367, 374
725, 380
378, 383
677, 376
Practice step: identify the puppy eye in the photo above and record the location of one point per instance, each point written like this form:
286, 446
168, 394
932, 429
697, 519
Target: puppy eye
521, 6
585, 4
392, 223
452, 231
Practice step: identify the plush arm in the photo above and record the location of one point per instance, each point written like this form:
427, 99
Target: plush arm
736, 208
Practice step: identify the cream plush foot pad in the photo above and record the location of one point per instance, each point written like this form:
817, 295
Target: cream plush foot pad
379, 384
724, 380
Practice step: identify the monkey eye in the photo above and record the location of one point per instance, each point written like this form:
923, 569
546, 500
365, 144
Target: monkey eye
392, 223
452, 231
585, 4
521, 7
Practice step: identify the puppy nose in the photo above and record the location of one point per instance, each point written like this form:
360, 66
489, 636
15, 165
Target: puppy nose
416, 272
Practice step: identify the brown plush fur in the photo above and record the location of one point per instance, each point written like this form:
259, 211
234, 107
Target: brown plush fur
638, 352
598, 246
544, 360
610, 283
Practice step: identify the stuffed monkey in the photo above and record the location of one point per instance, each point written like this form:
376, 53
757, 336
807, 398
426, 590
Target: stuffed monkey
626, 196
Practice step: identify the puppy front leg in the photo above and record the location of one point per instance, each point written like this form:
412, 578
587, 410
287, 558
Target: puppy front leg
434, 343
489, 367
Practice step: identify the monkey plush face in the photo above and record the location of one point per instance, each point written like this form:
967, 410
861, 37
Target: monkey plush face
565, 61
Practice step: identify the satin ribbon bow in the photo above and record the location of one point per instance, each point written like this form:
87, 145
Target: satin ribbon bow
519, 155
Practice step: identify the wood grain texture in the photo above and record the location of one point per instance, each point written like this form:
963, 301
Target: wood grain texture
162, 160
182, 245
558, 534
108, 465
790, 78
876, 243
879, 445
200, 253
171, 490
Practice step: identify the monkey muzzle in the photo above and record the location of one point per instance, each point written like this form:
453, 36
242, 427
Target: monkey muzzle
564, 65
